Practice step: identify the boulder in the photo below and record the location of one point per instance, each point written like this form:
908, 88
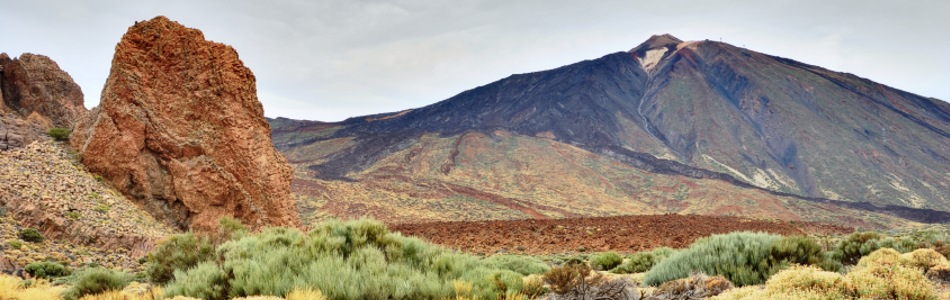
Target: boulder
180, 130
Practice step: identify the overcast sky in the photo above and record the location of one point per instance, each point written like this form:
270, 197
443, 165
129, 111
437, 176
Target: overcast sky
332, 59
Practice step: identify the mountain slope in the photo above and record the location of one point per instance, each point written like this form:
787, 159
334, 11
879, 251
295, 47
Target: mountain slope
704, 111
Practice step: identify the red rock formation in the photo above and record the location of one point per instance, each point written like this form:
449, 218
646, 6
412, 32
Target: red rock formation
180, 130
35, 84
35, 95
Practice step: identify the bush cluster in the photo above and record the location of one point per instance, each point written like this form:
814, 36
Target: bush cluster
59, 134
343, 260
30, 235
879, 275
745, 258
177, 252
643, 261
605, 260
46, 270
96, 281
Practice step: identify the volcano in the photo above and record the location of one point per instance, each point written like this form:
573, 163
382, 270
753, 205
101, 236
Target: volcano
669, 126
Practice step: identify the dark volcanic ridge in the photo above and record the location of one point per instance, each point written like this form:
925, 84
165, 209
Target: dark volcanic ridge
699, 109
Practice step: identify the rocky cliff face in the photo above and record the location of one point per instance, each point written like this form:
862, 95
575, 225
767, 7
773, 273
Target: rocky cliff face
35, 84
180, 130
35, 95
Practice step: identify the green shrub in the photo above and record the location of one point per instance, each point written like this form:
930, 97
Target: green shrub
642, 261
46, 270
178, 252
799, 250
858, 245
205, 281
94, 281
605, 260
15, 244
524, 265
741, 257
346, 260
31, 235
59, 134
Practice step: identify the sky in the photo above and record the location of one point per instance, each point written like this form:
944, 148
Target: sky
329, 60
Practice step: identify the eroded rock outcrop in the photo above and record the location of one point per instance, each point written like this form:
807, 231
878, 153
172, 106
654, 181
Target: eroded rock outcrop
35, 95
35, 84
180, 130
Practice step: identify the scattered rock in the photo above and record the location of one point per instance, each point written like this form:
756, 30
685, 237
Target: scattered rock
180, 130
41, 187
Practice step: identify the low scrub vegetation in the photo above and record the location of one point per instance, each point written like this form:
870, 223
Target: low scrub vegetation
343, 260
96, 281
880, 275
605, 260
46, 270
745, 258
364, 260
643, 261
59, 134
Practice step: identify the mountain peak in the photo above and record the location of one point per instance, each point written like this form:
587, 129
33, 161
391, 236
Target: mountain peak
657, 41
650, 52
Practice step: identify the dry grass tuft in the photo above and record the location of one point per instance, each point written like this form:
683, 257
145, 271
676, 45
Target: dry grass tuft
14, 288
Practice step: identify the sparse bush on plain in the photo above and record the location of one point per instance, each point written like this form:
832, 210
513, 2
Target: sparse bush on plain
605, 260
741, 257
30, 235
642, 261
524, 265
46, 270
576, 281
347, 260
95, 281
177, 252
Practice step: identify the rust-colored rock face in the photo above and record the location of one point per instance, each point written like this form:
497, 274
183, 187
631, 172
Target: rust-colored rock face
180, 130
35, 84
35, 95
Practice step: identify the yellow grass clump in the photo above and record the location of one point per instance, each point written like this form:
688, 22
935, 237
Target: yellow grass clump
306, 294
803, 280
880, 275
881, 257
13, 288
923, 259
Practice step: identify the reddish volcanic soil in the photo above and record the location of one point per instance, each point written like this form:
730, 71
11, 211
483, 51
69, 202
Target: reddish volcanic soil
623, 234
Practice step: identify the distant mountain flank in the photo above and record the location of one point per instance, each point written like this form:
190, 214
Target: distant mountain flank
700, 109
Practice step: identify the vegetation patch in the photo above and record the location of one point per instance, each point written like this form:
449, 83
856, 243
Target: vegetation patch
343, 260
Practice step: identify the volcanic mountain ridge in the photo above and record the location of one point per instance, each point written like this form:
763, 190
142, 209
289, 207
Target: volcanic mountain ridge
715, 123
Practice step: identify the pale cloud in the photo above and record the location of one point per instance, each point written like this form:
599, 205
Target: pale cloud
333, 59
